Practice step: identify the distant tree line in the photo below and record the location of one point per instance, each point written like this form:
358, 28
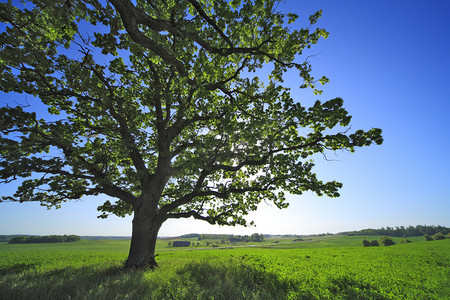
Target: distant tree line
256, 237
401, 231
6, 238
193, 235
286, 235
44, 239
103, 237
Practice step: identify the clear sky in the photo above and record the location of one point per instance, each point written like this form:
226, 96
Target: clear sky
390, 62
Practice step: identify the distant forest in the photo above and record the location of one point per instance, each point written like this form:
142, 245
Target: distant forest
401, 231
6, 238
256, 237
44, 239
102, 237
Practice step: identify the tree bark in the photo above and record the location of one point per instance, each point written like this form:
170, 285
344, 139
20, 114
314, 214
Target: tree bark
143, 239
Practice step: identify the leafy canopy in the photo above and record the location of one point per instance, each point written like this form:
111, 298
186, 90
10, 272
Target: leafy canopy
160, 102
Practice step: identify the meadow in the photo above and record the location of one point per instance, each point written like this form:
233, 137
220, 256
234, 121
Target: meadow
322, 268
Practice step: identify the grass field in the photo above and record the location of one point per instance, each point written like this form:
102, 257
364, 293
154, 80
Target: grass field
324, 268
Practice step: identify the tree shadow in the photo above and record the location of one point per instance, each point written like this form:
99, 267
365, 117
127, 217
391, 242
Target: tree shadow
347, 287
68, 283
238, 281
192, 280
17, 268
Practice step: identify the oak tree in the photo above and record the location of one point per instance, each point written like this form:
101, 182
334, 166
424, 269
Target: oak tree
159, 105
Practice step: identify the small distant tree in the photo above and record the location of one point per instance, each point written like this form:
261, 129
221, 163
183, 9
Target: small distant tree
387, 241
427, 237
169, 244
374, 243
439, 236
366, 243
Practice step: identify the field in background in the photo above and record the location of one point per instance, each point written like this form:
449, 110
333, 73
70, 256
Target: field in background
323, 268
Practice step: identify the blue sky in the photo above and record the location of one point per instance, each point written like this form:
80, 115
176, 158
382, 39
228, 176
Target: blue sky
390, 62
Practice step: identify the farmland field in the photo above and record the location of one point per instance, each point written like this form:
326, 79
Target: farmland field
327, 268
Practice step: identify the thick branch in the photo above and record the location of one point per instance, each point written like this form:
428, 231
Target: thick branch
131, 17
211, 220
189, 214
207, 193
117, 192
186, 198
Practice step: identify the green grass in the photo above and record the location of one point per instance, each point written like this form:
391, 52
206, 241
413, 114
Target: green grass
83, 245
335, 241
338, 268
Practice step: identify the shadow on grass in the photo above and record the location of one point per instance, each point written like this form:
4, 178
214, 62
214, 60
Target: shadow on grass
350, 288
17, 268
234, 281
67, 283
191, 280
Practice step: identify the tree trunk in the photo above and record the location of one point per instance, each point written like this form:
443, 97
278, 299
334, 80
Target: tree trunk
143, 240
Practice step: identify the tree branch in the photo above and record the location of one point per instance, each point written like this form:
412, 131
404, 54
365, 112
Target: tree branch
131, 17
211, 220
189, 214
242, 164
210, 21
